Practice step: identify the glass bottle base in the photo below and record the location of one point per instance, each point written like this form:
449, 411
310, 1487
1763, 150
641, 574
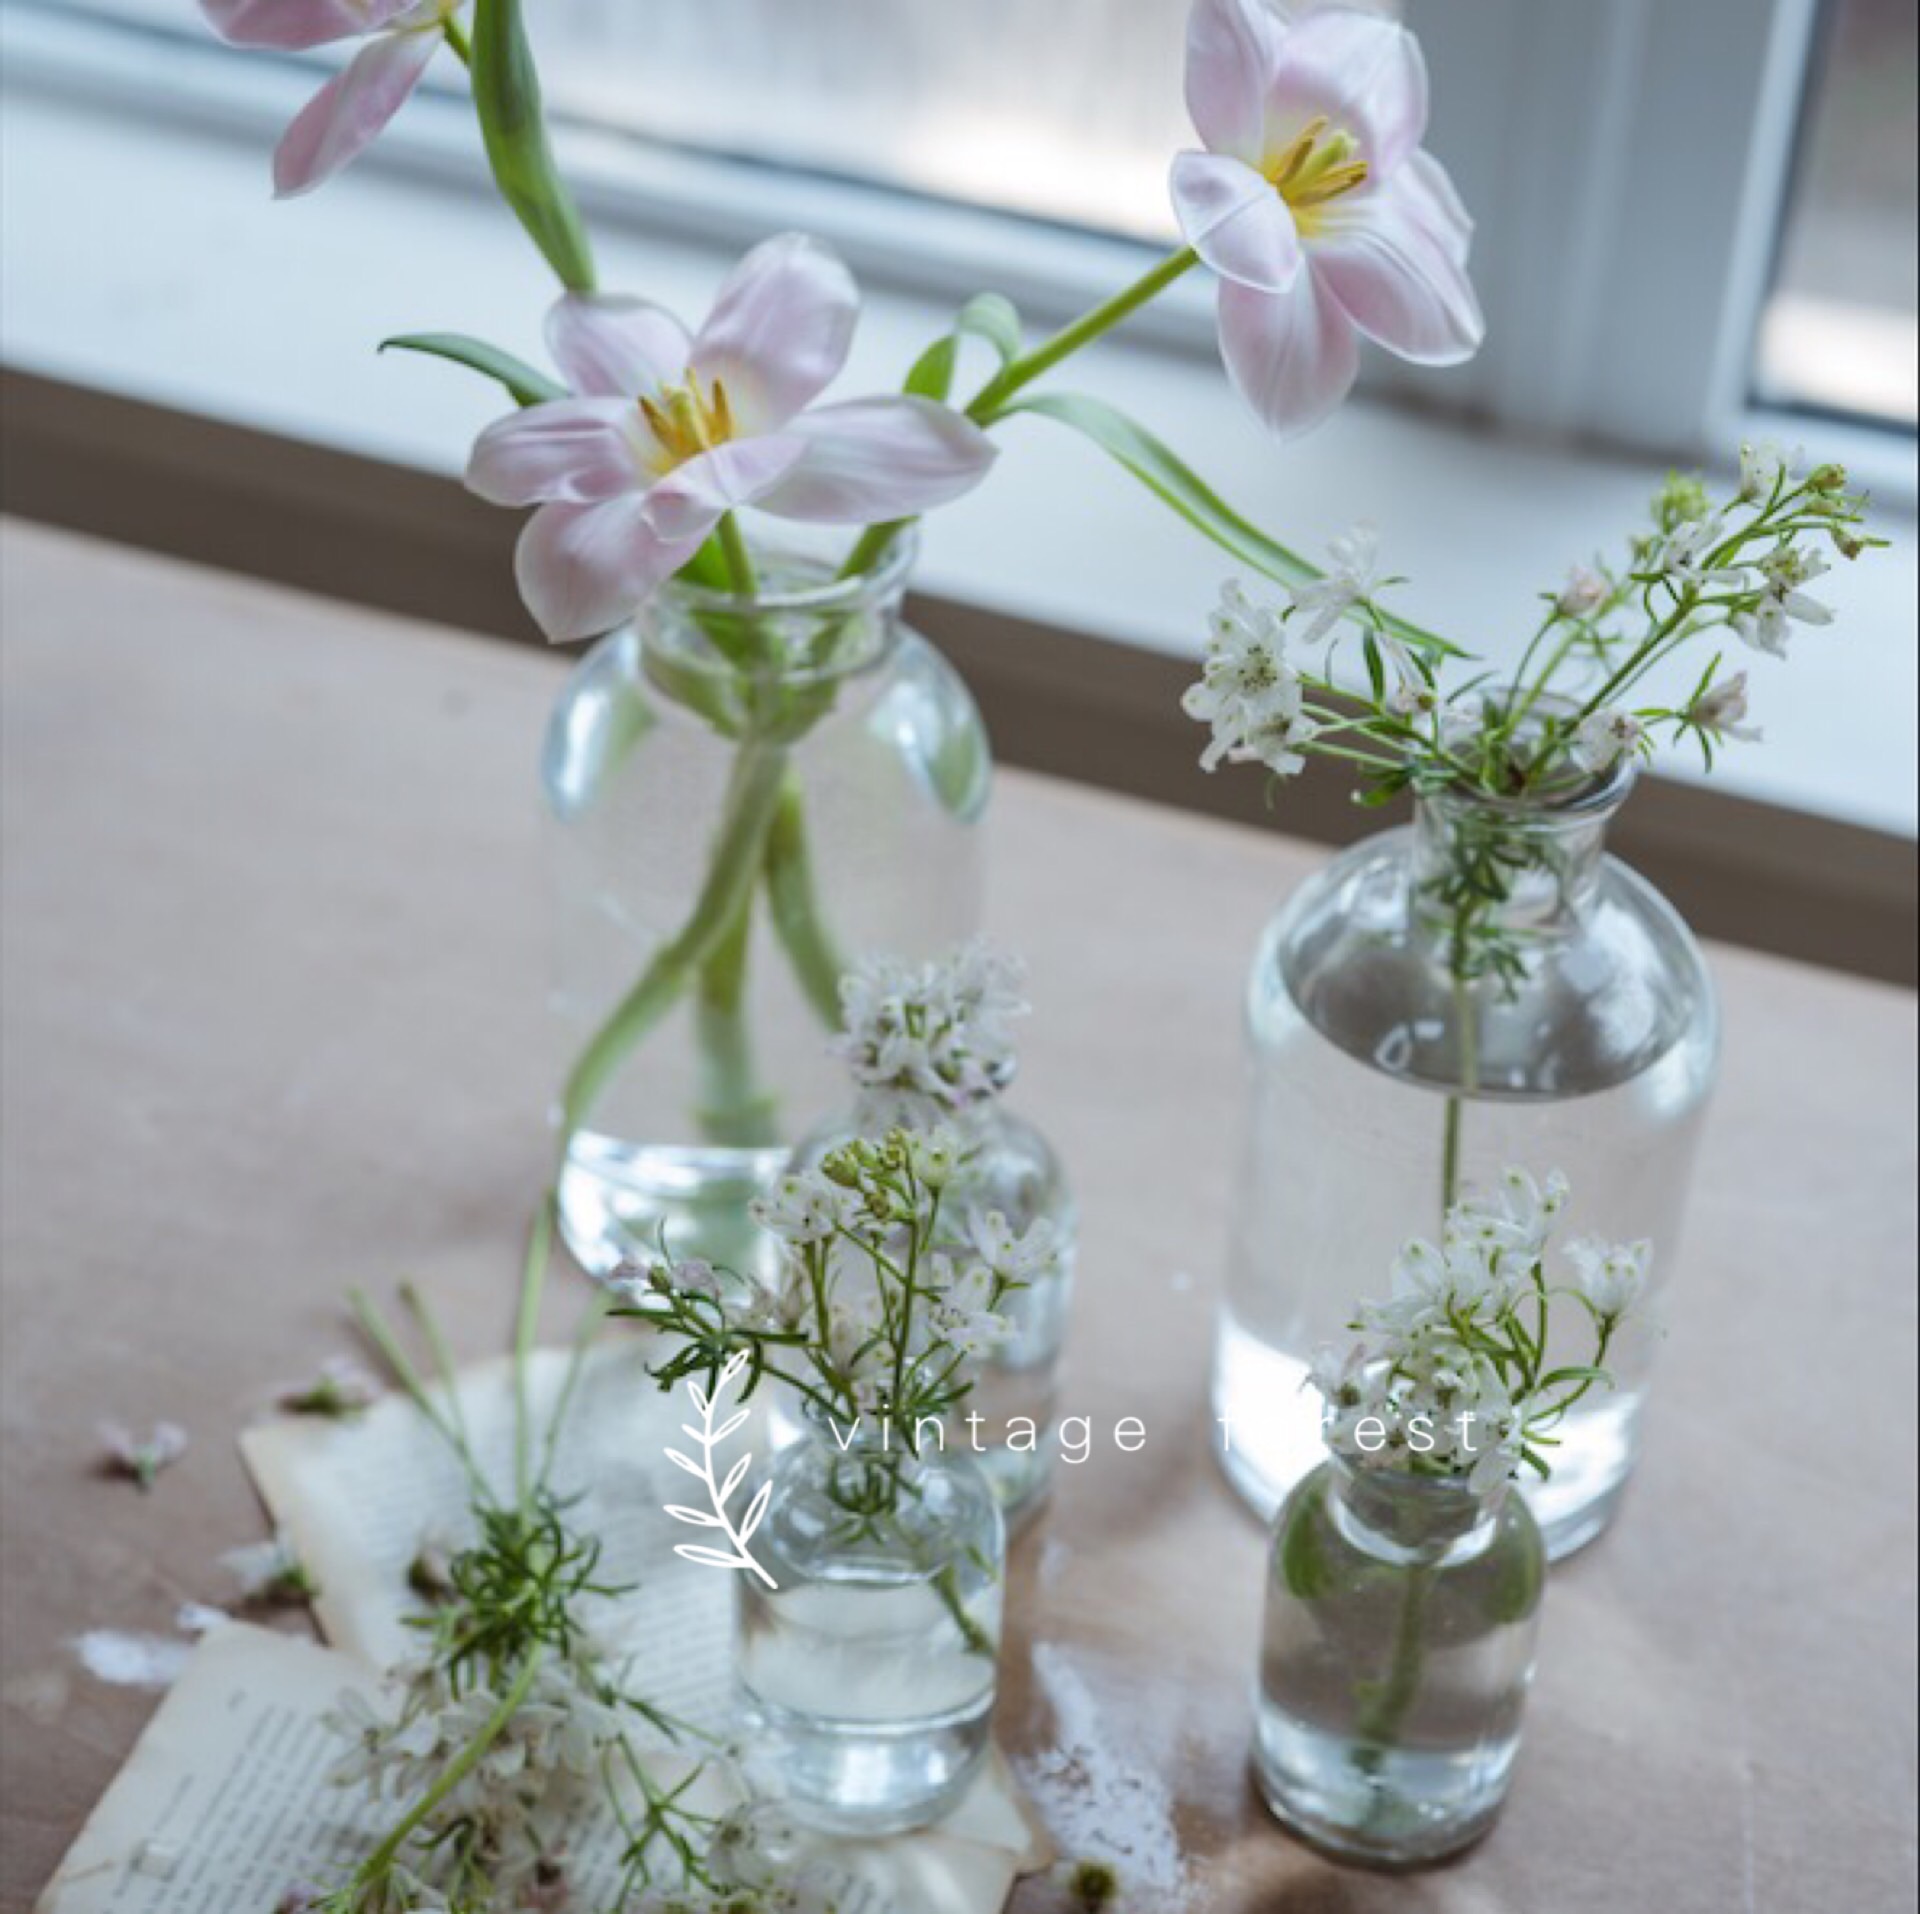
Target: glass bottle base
1266, 1431
621, 1202
870, 1778
1396, 1808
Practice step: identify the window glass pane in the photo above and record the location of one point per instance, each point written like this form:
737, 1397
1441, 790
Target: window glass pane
1838, 331
1068, 110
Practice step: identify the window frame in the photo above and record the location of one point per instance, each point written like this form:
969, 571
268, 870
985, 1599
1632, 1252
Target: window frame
1618, 312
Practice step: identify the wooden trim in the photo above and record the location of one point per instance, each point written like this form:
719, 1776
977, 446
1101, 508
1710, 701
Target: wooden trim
1061, 701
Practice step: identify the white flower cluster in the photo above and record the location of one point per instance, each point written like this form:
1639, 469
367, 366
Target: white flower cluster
924, 1041
1252, 694
1248, 691
542, 1774
1448, 1380
1765, 597
959, 1289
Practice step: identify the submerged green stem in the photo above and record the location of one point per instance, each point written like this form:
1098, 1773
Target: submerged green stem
759, 775
793, 897
1377, 1731
734, 1111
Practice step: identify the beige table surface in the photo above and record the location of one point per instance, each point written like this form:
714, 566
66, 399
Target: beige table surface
273, 972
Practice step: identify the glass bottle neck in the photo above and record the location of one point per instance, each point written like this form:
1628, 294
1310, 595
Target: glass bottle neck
803, 629
1412, 1520
1483, 864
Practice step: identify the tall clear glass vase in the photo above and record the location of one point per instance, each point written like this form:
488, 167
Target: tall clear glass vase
1484, 988
742, 794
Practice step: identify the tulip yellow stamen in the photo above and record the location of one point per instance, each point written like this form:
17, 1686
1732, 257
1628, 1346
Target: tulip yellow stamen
685, 421
1318, 165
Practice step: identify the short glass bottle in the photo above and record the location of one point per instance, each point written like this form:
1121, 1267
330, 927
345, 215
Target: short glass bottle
1010, 1423
1401, 1618
869, 1670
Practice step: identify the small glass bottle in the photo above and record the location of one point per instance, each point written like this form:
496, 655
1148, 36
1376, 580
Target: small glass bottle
1402, 1612
1010, 1421
869, 1670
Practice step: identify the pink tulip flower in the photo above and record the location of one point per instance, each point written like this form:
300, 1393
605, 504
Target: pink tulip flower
667, 434
1316, 205
343, 119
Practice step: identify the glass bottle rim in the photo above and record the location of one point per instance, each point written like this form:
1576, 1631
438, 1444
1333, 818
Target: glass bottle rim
832, 593
1592, 801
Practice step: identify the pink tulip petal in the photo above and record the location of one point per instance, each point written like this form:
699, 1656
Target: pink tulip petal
1393, 266
1233, 49
583, 569
576, 450
779, 331
876, 459
689, 501
1423, 183
1234, 219
616, 347
346, 115
1292, 356
1366, 74
296, 24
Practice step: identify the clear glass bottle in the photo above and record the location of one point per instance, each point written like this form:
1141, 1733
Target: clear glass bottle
1401, 1618
1007, 1165
741, 794
1395, 1067
869, 1671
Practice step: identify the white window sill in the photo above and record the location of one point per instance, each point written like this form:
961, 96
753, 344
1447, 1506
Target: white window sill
146, 258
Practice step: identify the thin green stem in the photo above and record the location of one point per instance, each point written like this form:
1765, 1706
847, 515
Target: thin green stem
456, 38
526, 1329
429, 1326
733, 547
758, 775
590, 1321
733, 1111
984, 407
1378, 1729
1467, 1050
374, 1326
456, 1771
793, 898
1018, 373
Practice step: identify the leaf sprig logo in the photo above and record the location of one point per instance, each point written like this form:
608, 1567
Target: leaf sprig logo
720, 1490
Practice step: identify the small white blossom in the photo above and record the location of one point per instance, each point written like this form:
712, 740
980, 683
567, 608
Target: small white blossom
1019, 1259
1602, 738
1584, 592
141, 1458
268, 1573
1355, 576
343, 1389
1762, 467
1248, 692
1722, 709
963, 1315
1681, 558
1767, 623
801, 1208
756, 1846
1610, 1275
